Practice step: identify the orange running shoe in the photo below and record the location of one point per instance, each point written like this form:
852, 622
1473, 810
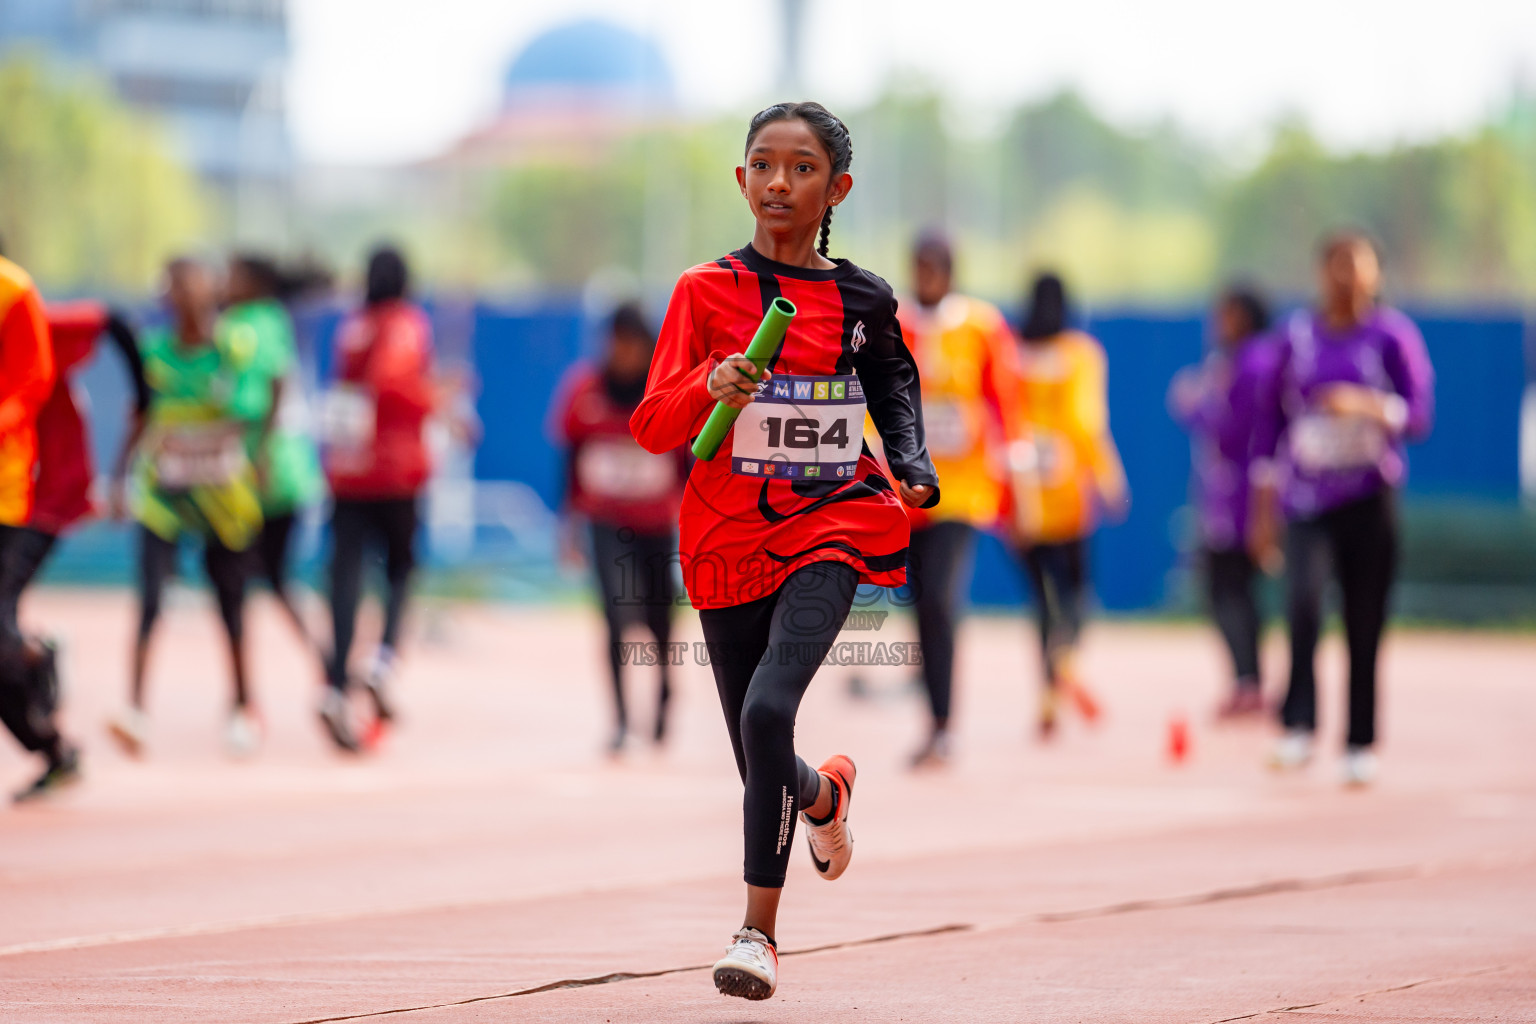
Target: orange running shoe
1083, 701
831, 840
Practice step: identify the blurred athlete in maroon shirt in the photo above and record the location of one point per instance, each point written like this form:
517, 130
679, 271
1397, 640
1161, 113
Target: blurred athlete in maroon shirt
629, 498
377, 464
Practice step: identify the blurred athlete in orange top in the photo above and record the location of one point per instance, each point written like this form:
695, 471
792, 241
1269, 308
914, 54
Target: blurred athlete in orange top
969, 364
26, 379
1064, 375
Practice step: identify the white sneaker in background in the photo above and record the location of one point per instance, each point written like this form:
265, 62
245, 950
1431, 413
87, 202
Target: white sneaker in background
1359, 766
750, 968
242, 733
1293, 751
380, 682
130, 728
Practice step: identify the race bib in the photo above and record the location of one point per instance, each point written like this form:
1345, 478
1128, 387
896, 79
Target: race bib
1321, 442
947, 428
198, 455
619, 468
348, 416
801, 428
1054, 454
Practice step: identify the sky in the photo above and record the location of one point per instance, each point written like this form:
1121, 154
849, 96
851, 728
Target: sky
384, 81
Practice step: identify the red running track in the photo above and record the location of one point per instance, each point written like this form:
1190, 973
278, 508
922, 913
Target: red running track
490, 864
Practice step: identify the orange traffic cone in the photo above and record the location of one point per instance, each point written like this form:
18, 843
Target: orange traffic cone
1178, 739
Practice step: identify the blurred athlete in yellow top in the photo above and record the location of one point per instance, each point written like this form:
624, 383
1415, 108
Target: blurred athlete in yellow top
968, 361
1064, 378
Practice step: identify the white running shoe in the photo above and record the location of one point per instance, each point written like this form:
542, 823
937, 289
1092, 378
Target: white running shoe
130, 727
750, 968
379, 682
1293, 751
831, 842
242, 734
1359, 766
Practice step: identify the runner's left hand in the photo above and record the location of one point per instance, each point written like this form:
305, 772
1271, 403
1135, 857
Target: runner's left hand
913, 496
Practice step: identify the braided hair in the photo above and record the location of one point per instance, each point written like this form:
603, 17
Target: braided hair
830, 131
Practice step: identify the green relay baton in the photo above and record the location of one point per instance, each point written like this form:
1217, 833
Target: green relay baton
764, 343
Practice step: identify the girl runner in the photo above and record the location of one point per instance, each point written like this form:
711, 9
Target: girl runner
1352, 384
194, 478
270, 400
1216, 402
1067, 409
629, 498
780, 528
975, 429
377, 463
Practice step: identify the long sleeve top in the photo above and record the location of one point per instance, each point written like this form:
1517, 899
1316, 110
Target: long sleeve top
1322, 461
746, 524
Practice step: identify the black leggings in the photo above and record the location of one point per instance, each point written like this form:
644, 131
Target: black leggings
272, 549
1058, 573
764, 654
26, 700
1230, 579
1360, 541
227, 571
634, 575
391, 523
939, 563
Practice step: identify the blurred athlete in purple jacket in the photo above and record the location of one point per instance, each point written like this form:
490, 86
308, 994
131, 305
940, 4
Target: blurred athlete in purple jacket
1352, 385
1216, 402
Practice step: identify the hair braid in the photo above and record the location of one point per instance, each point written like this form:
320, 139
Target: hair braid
826, 232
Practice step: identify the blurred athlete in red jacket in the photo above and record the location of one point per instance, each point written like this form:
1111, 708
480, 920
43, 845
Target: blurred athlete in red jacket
26, 377
376, 461
61, 495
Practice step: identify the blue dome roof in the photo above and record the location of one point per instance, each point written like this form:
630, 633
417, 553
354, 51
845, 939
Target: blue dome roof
591, 55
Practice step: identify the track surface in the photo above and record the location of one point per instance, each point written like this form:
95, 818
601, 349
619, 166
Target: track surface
490, 865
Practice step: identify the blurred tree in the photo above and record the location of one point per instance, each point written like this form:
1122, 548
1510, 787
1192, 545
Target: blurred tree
1455, 218
1061, 143
1146, 215
1105, 249
90, 195
567, 221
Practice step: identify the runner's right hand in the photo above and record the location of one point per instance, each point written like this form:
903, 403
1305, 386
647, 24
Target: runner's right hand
732, 383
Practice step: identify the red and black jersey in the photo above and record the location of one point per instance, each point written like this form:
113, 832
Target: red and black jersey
741, 536
609, 478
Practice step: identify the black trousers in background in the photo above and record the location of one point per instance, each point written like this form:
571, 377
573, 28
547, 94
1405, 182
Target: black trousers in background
939, 563
227, 571
764, 654
389, 523
634, 577
1058, 573
27, 702
1358, 543
272, 551
1231, 577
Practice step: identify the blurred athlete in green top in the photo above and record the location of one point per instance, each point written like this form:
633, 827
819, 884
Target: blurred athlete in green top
270, 400
193, 476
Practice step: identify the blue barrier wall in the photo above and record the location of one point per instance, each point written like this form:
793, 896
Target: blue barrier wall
522, 351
